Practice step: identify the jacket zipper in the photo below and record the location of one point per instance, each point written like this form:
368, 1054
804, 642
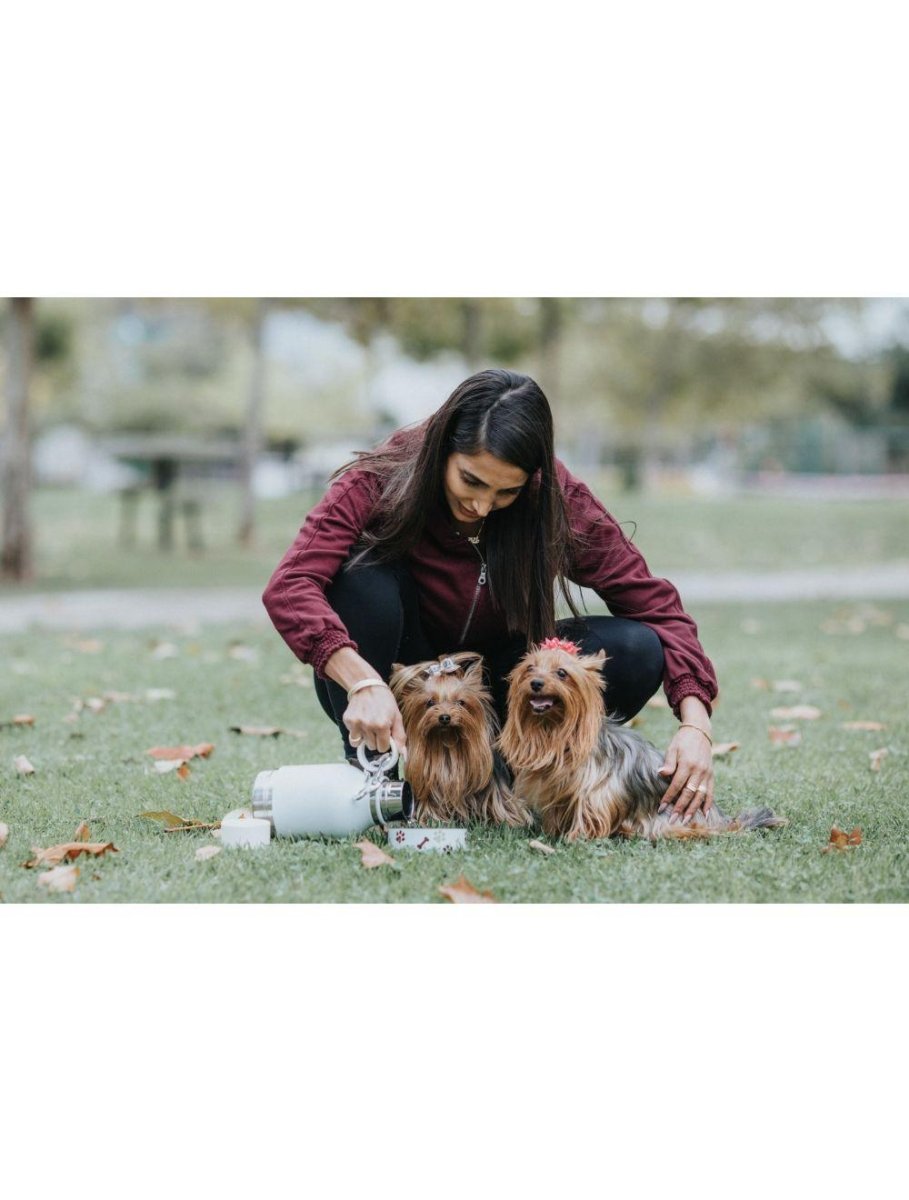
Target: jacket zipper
481, 580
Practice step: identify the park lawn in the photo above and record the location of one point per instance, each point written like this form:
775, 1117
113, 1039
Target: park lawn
849, 661
76, 537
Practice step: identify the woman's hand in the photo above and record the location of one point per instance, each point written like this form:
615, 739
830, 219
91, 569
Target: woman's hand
689, 765
373, 718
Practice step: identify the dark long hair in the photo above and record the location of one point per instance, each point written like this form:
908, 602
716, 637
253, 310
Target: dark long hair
528, 543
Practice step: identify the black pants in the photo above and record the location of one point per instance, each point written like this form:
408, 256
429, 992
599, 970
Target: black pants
379, 606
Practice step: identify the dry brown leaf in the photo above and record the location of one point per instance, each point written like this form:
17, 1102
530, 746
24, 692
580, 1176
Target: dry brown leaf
181, 753
59, 879
205, 852
174, 824
462, 891
781, 736
873, 726
877, 757
267, 731
82, 833
21, 719
22, 765
840, 840
4, 834
762, 685
787, 685
722, 749
372, 855
171, 820
56, 854
541, 846
165, 766
86, 645
799, 712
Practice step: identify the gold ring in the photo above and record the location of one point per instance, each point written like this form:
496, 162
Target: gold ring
355, 741
689, 788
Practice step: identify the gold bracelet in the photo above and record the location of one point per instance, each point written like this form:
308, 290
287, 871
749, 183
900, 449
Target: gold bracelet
688, 725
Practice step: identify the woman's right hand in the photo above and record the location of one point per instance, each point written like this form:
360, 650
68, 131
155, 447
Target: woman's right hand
373, 718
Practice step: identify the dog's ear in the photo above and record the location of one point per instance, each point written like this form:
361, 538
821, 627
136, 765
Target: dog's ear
403, 677
594, 662
467, 661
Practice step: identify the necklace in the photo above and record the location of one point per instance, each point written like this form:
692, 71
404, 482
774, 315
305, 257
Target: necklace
475, 541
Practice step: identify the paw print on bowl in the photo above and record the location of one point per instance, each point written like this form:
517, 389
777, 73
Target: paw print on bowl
399, 836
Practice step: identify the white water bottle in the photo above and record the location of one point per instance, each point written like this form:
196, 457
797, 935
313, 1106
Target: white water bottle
331, 799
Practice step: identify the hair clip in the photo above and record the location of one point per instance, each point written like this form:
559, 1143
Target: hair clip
561, 644
447, 667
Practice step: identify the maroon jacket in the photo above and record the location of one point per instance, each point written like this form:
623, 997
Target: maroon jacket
446, 568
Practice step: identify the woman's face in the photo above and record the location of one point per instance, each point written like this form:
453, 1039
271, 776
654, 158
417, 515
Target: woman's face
478, 484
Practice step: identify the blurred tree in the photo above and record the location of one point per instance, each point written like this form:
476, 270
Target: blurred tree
16, 553
254, 424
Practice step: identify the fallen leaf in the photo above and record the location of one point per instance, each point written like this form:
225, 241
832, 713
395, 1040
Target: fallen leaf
4, 834
787, 685
173, 764
840, 840
86, 645
799, 712
181, 753
781, 736
21, 719
59, 879
462, 891
372, 855
243, 653
762, 685
870, 725
877, 757
162, 650
205, 852
56, 854
82, 832
173, 823
541, 846
22, 765
722, 749
155, 694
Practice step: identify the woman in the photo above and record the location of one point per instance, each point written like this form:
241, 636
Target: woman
452, 535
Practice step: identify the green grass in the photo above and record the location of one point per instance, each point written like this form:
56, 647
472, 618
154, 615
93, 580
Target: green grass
76, 537
95, 769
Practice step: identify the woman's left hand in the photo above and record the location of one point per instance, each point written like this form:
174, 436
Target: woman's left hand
689, 763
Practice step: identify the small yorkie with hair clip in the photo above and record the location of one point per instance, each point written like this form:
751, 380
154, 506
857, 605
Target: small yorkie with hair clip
451, 727
584, 774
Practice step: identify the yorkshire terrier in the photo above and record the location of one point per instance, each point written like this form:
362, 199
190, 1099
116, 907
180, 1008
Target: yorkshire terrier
584, 774
451, 728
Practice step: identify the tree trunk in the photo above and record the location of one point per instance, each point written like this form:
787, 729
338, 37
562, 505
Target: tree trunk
472, 344
551, 323
16, 555
252, 434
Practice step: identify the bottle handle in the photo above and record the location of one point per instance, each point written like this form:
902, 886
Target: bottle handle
377, 766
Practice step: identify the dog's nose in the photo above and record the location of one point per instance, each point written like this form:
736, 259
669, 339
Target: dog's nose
444, 719
537, 685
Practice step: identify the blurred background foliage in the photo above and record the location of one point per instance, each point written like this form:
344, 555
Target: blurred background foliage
636, 381
686, 396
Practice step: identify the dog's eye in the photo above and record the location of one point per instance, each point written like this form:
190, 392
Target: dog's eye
430, 703
562, 673
461, 702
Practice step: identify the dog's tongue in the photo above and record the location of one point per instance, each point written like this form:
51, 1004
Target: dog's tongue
541, 704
